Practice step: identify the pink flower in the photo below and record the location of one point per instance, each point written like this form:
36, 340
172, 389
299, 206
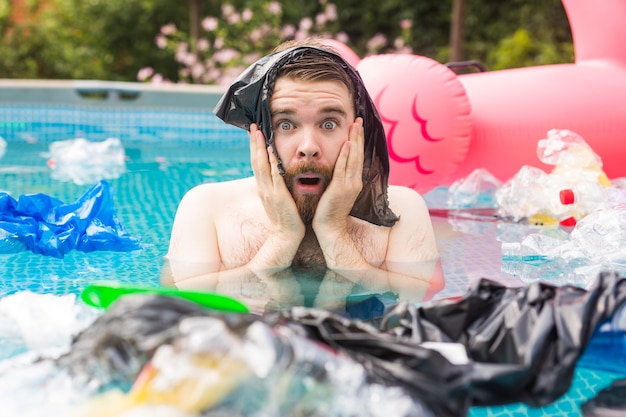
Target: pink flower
342, 37
406, 24
378, 41
256, 35
161, 41
246, 15
275, 7
287, 31
320, 19
225, 55
168, 29
197, 69
306, 24
145, 73
227, 9
233, 18
331, 12
203, 44
209, 23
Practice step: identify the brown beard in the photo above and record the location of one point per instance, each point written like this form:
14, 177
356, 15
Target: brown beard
307, 203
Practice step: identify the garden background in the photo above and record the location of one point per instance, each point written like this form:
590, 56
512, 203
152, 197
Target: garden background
210, 41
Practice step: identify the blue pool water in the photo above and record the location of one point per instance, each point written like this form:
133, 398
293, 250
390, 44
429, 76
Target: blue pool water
170, 151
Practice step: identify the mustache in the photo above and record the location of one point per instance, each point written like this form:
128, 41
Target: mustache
326, 173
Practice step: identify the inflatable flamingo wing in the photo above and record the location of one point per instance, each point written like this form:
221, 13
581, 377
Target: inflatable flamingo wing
426, 115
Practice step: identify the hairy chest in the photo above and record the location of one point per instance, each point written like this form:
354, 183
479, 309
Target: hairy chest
241, 234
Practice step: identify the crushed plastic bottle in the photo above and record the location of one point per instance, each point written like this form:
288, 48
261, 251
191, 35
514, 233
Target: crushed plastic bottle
85, 162
541, 257
476, 190
596, 243
601, 237
536, 196
258, 370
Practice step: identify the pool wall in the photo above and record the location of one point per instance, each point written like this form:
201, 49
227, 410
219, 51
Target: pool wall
97, 110
109, 94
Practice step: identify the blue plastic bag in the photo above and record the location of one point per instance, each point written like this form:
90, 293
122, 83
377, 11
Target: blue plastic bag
50, 227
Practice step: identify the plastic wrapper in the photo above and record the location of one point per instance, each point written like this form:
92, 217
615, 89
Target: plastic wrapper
85, 162
247, 101
50, 227
493, 346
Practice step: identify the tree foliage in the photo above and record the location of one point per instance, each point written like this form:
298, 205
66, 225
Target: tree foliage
114, 39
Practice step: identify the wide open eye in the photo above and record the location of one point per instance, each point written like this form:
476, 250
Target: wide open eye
284, 125
329, 124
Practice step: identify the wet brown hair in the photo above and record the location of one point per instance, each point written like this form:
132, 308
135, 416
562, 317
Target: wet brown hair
315, 67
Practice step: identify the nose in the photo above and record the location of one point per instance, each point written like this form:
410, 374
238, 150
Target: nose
308, 148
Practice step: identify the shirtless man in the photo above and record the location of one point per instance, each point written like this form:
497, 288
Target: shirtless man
296, 209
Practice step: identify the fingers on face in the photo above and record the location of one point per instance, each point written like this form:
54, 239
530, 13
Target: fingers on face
273, 162
354, 162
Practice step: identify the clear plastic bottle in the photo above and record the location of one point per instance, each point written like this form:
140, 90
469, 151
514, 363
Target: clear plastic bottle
540, 256
601, 237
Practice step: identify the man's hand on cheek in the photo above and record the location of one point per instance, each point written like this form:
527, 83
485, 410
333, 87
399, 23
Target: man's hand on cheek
337, 201
276, 198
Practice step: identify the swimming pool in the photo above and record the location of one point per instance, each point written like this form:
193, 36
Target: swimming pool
169, 151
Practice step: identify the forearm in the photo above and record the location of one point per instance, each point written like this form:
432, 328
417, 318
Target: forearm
276, 254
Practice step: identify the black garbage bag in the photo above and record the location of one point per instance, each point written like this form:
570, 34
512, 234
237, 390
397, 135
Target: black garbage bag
523, 343
247, 101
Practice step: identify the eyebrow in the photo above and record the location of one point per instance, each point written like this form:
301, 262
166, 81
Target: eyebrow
325, 111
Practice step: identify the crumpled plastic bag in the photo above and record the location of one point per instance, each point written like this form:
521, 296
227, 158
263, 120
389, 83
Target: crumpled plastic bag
523, 344
85, 162
50, 227
247, 101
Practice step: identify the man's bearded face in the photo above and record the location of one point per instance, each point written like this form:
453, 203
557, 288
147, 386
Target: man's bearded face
307, 173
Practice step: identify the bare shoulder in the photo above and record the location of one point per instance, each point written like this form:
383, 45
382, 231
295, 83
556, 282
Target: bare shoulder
217, 194
202, 209
413, 236
404, 200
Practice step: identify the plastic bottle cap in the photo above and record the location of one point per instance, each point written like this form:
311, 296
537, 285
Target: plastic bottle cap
569, 221
567, 196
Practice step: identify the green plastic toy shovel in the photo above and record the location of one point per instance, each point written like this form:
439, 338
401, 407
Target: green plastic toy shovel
102, 295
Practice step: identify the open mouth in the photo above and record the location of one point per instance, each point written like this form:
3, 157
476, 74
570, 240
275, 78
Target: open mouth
309, 180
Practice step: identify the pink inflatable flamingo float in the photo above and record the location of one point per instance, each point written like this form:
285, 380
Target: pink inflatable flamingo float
441, 127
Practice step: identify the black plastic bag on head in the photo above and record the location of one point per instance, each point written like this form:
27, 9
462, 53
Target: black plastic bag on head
247, 101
